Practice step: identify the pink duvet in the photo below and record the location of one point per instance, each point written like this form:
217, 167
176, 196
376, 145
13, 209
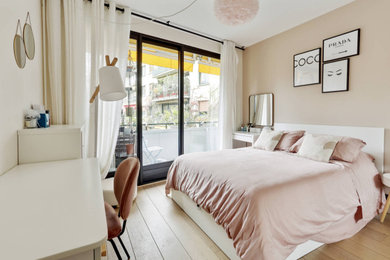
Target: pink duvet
270, 202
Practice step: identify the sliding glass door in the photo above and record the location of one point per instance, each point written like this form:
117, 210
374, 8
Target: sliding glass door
201, 102
171, 107
160, 104
127, 137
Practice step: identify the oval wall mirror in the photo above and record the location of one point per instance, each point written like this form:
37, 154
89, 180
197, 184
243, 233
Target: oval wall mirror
19, 53
29, 43
28, 38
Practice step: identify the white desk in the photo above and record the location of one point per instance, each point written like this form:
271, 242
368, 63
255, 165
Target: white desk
52, 210
244, 137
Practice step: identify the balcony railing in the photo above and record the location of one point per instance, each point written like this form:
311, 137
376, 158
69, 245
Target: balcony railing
198, 137
152, 126
167, 94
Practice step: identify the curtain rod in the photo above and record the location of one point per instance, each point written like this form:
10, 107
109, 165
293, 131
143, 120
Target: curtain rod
122, 10
117, 8
170, 25
179, 28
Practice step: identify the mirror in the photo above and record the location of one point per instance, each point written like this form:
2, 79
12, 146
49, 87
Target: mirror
29, 43
19, 53
261, 110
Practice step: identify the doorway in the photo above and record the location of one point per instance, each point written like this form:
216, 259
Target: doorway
172, 104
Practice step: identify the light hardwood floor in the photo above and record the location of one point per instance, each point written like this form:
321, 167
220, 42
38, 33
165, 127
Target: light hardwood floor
158, 229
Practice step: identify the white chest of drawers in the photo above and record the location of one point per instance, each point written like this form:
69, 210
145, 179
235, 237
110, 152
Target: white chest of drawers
56, 143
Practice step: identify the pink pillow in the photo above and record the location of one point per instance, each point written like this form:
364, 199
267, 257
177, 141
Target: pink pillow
347, 149
295, 147
288, 139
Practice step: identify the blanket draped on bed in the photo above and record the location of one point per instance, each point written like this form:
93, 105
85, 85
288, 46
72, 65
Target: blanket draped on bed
270, 202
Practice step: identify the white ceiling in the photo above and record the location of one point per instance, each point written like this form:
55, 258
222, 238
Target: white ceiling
274, 17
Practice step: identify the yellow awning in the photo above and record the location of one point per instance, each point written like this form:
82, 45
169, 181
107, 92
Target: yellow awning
209, 69
173, 63
161, 61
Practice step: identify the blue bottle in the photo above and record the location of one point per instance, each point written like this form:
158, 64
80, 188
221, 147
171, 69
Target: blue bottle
43, 121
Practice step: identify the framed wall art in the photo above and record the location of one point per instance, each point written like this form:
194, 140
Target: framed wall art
342, 46
335, 76
307, 67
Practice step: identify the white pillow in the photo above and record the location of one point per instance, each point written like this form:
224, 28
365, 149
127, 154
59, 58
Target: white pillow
268, 139
318, 148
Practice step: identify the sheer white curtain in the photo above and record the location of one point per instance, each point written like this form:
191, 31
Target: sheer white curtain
66, 91
227, 94
116, 30
78, 34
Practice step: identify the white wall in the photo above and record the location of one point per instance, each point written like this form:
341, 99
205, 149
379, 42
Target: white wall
164, 32
19, 88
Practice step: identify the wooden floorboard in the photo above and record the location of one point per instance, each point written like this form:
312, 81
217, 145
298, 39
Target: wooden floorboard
170, 246
196, 229
367, 244
335, 252
159, 229
317, 255
142, 240
190, 237
379, 248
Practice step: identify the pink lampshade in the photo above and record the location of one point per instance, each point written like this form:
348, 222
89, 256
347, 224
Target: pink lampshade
234, 12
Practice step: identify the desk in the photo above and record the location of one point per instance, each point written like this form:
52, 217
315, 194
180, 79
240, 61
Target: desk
52, 210
244, 137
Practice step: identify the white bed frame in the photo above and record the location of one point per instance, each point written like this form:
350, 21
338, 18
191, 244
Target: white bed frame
374, 137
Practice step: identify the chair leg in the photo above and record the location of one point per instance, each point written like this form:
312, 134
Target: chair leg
124, 248
387, 205
103, 249
115, 249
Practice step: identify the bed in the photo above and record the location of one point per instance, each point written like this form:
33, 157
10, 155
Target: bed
258, 204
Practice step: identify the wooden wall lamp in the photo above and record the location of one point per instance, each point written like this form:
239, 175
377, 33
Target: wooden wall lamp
111, 85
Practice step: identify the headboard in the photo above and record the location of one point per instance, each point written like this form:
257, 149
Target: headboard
373, 136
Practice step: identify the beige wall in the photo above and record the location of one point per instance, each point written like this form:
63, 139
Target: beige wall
268, 68
19, 87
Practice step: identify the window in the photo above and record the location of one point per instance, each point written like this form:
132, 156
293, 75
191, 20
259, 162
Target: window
203, 78
201, 111
126, 143
160, 104
172, 109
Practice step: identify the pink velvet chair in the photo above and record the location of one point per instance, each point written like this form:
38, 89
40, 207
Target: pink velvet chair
125, 183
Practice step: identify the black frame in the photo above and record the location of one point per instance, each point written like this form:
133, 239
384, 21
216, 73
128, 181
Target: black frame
155, 172
319, 69
323, 65
340, 58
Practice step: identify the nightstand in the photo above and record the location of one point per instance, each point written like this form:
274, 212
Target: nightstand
243, 139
